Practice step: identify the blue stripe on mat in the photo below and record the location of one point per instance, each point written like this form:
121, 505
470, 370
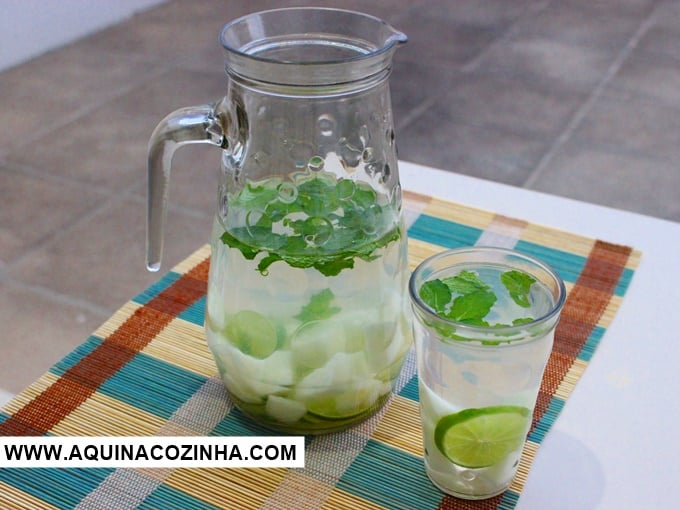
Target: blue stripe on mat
62, 488
194, 313
624, 281
410, 389
547, 420
509, 500
591, 343
156, 288
391, 478
445, 233
567, 265
75, 356
238, 424
152, 385
169, 498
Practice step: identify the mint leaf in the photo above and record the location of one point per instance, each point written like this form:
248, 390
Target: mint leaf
255, 196
518, 284
319, 307
248, 251
472, 308
465, 282
363, 198
317, 197
435, 294
522, 320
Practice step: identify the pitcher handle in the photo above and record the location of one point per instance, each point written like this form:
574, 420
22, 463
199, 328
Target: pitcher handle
193, 124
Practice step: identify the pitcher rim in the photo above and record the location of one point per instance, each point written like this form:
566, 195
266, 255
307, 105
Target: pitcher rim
397, 37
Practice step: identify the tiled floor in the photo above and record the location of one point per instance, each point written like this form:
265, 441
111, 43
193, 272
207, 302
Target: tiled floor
579, 98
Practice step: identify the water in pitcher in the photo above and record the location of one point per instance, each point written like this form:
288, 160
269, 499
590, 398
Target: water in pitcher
316, 334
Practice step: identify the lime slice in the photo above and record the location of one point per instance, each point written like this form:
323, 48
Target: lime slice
252, 333
328, 408
477, 438
343, 405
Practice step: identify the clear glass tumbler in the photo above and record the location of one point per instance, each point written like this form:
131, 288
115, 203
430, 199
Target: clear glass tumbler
484, 323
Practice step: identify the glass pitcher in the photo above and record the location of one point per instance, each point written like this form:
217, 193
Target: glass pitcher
306, 305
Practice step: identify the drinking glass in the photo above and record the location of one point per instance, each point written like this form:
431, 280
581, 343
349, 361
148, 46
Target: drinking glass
484, 323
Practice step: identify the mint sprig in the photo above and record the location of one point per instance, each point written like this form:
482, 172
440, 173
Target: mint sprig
319, 307
328, 225
467, 299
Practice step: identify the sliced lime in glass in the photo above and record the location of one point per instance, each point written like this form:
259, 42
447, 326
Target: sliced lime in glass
481, 437
252, 333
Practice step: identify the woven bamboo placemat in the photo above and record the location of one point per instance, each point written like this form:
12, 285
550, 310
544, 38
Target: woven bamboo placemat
148, 371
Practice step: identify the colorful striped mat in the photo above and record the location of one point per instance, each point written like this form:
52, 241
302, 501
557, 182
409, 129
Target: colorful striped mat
148, 371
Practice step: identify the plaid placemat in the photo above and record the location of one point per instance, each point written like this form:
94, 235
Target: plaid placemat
148, 371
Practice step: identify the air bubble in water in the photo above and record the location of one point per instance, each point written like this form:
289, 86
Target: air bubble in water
371, 216
320, 230
288, 192
261, 159
315, 164
345, 189
252, 219
467, 475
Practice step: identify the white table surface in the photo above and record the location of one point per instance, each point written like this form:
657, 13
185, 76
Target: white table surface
616, 443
